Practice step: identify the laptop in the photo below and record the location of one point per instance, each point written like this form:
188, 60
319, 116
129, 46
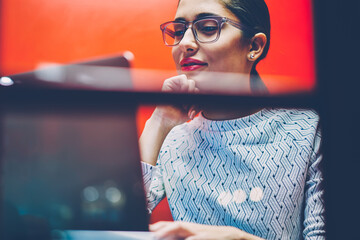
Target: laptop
71, 171
104, 73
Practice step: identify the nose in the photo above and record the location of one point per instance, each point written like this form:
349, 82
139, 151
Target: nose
188, 42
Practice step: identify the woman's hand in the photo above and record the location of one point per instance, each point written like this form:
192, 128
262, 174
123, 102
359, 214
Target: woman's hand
164, 118
194, 231
175, 115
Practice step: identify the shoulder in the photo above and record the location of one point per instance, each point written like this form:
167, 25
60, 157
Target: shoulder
297, 118
299, 125
293, 114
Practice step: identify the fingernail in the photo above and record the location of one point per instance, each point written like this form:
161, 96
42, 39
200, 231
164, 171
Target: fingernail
192, 115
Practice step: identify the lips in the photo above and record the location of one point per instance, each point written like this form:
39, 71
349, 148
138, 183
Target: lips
191, 64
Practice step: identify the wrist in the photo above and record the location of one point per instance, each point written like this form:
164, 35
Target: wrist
165, 117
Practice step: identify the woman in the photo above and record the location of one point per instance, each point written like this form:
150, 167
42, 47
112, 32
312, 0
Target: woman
239, 174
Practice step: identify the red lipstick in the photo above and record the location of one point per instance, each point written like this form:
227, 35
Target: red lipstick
191, 64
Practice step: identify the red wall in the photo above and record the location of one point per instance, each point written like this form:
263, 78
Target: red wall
61, 31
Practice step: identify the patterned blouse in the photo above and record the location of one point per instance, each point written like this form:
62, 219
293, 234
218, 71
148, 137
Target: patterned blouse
260, 173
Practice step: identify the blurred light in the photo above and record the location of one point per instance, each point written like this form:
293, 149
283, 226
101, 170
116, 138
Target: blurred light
225, 198
113, 194
128, 55
256, 194
239, 196
6, 81
91, 194
84, 78
51, 72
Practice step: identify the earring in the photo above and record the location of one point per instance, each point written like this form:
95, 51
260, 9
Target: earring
252, 56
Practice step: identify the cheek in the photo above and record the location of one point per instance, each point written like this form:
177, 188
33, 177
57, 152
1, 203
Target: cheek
175, 54
227, 59
228, 53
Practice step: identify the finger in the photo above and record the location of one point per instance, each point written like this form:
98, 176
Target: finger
185, 84
173, 231
207, 235
169, 86
193, 111
192, 87
193, 238
175, 84
192, 114
200, 237
158, 225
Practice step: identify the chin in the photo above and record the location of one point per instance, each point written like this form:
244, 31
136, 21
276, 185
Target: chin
203, 79
192, 74
220, 82
195, 75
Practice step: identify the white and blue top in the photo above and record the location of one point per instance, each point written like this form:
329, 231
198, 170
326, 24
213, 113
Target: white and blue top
260, 173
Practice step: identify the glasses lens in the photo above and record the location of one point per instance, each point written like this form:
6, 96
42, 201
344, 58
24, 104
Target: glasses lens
173, 33
207, 30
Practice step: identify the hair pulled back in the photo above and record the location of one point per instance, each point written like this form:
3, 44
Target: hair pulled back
254, 14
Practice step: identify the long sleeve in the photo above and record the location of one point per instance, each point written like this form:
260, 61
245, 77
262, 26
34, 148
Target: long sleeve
260, 173
153, 184
314, 220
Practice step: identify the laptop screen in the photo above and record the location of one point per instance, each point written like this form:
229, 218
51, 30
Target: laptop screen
71, 169
71, 165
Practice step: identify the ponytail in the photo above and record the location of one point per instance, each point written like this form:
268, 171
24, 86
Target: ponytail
257, 85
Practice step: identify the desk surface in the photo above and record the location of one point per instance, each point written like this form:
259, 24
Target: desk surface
103, 235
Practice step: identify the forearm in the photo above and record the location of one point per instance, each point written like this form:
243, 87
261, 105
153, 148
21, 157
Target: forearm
164, 118
155, 131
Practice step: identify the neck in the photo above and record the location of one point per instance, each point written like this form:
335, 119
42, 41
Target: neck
228, 114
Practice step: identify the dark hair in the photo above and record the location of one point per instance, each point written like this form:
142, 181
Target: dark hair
254, 14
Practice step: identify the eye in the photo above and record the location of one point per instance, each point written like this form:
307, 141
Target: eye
179, 33
179, 29
207, 27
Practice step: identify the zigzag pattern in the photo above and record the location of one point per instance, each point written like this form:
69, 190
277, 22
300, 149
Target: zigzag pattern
257, 173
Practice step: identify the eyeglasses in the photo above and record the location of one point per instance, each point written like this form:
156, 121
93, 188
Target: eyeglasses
205, 30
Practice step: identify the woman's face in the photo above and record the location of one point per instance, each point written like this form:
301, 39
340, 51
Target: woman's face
228, 54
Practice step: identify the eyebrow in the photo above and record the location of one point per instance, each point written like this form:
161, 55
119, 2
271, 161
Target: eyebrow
198, 16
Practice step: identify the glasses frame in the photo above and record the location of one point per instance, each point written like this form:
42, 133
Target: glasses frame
220, 22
